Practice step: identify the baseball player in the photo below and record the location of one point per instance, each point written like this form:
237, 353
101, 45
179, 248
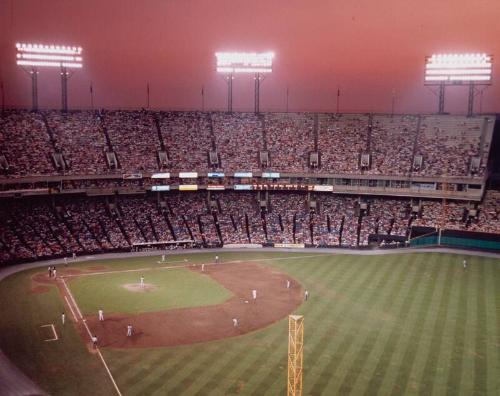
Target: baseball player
54, 272
65, 261
216, 259
465, 264
94, 341
63, 318
235, 322
129, 330
203, 268
50, 272
101, 315
142, 281
288, 284
162, 258
306, 295
74, 256
254, 294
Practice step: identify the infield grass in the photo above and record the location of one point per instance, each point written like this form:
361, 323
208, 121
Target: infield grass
390, 325
172, 288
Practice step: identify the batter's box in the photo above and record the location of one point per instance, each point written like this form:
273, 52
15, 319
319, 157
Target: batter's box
48, 333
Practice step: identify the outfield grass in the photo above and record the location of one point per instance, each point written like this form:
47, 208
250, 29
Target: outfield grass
63, 367
173, 288
395, 324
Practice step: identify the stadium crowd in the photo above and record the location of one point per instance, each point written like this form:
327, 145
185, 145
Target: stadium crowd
447, 144
42, 227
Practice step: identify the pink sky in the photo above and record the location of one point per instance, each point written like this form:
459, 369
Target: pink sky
367, 47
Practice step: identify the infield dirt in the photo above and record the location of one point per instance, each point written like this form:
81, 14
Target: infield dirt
200, 324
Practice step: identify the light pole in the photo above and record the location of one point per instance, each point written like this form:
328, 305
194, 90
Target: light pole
35, 56
258, 63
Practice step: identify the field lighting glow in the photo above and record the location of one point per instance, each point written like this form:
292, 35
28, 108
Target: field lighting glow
456, 68
244, 62
49, 55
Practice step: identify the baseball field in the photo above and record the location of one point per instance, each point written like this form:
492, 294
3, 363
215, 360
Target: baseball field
413, 323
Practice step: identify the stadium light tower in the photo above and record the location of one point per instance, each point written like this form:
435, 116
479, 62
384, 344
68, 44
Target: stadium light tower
230, 63
458, 69
33, 56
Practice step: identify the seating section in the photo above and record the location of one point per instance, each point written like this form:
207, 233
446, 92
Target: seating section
80, 137
446, 143
134, 139
290, 139
42, 227
187, 139
239, 140
489, 214
25, 143
392, 141
341, 140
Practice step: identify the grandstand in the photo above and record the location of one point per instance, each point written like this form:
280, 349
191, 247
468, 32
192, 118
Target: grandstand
88, 182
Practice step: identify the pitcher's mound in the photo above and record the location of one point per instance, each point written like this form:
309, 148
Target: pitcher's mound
136, 287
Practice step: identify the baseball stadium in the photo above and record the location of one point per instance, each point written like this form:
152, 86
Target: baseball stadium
266, 198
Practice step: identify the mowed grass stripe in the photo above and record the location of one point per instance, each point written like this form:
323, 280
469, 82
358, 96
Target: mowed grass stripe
465, 387
422, 307
197, 368
409, 271
395, 379
369, 353
496, 301
440, 385
134, 383
216, 373
342, 344
321, 312
315, 312
492, 291
385, 362
269, 382
274, 380
249, 366
321, 319
339, 343
459, 325
403, 327
237, 378
257, 345
168, 376
361, 337
162, 365
480, 359
432, 315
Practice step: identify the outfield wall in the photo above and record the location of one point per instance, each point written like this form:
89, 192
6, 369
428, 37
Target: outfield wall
459, 239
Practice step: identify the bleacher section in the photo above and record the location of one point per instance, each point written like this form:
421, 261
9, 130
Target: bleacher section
44, 227
95, 143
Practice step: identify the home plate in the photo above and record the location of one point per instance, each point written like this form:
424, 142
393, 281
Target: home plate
246, 301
